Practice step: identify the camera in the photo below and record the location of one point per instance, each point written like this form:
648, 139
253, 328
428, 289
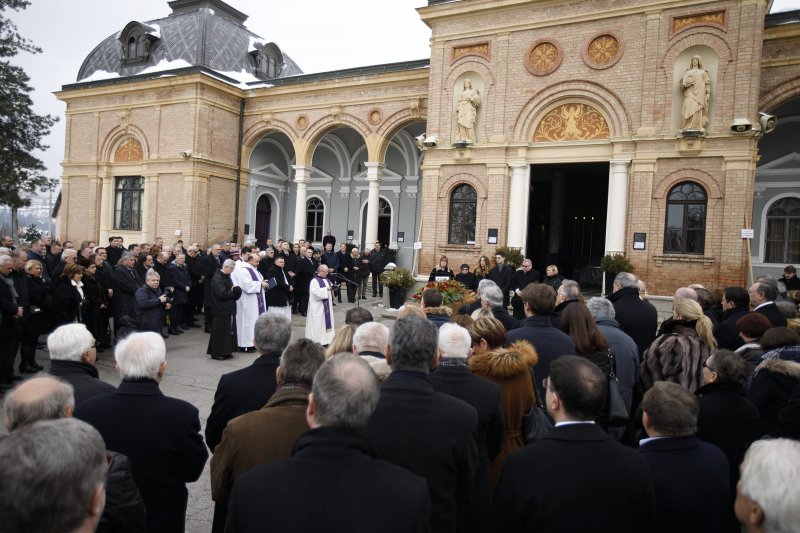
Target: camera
169, 292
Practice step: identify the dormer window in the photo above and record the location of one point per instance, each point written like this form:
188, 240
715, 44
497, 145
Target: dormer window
137, 41
268, 60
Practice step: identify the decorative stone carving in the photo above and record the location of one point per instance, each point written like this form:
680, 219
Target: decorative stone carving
414, 106
375, 117
572, 122
129, 150
696, 87
603, 51
336, 111
467, 112
267, 118
479, 49
124, 119
301, 122
710, 18
544, 57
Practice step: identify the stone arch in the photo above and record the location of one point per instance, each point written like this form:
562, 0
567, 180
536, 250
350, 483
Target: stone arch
316, 131
117, 136
710, 38
788, 90
253, 135
393, 124
457, 179
673, 178
606, 102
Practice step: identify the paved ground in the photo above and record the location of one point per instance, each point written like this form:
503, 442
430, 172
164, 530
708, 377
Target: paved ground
192, 376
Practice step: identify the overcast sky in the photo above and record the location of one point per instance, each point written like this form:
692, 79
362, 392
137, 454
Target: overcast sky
320, 35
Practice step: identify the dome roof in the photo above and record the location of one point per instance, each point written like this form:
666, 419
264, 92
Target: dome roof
205, 33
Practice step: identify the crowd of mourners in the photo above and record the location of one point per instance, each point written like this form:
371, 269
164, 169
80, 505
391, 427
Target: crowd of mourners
564, 414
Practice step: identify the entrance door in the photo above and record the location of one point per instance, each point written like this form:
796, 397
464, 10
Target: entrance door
384, 224
263, 216
567, 217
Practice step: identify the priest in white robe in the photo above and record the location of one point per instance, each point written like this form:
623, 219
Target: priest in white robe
252, 304
319, 321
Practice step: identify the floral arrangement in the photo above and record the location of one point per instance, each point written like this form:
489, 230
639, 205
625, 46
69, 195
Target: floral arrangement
397, 278
454, 293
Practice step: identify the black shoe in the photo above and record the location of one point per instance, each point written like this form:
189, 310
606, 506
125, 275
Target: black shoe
220, 357
207, 330
27, 369
302, 314
363, 297
35, 365
334, 303
175, 332
164, 335
13, 377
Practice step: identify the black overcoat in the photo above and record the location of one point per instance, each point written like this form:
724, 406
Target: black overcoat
126, 282
636, 317
83, 377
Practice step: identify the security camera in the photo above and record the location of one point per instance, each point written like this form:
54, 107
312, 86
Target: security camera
419, 140
430, 141
186, 154
741, 125
768, 122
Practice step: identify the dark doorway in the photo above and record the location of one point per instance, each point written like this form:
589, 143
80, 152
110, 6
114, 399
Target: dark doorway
567, 216
263, 217
384, 225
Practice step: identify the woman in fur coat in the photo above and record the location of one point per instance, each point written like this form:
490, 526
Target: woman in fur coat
679, 353
510, 367
776, 376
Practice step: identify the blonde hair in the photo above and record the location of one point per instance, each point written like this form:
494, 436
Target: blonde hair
410, 309
481, 313
489, 329
691, 310
342, 341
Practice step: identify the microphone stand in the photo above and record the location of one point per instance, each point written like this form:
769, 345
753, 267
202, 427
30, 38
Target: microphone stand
343, 278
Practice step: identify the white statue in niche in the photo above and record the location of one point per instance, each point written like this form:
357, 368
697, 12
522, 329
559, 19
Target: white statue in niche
696, 88
467, 112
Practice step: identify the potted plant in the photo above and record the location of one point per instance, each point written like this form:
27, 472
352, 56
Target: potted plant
398, 281
611, 265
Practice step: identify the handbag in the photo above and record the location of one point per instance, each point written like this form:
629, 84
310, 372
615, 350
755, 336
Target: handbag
617, 413
536, 423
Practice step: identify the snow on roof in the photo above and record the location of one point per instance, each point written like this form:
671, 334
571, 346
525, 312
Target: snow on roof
100, 75
156, 30
166, 65
254, 41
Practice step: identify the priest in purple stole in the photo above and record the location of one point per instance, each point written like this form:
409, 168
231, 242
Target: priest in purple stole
319, 322
251, 305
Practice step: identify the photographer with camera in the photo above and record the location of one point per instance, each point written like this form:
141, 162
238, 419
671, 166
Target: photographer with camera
150, 302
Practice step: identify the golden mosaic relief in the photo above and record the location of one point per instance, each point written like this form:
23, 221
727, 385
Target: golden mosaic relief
481, 50
544, 57
603, 49
699, 19
129, 150
572, 122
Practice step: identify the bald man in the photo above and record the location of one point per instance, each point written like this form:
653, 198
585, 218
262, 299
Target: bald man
38, 398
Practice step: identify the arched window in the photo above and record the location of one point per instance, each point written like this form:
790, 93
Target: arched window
463, 208
783, 232
685, 230
128, 202
315, 212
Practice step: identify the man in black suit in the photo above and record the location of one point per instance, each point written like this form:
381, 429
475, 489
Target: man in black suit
638, 318
735, 304
428, 433
690, 477
159, 434
502, 274
306, 267
249, 389
522, 278
361, 493
125, 282
72, 357
539, 300
762, 300
453, 377
577, 478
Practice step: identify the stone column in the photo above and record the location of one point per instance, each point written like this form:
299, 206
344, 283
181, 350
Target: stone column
374, 176
518, 205
301, 177
617, 210
106, 207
